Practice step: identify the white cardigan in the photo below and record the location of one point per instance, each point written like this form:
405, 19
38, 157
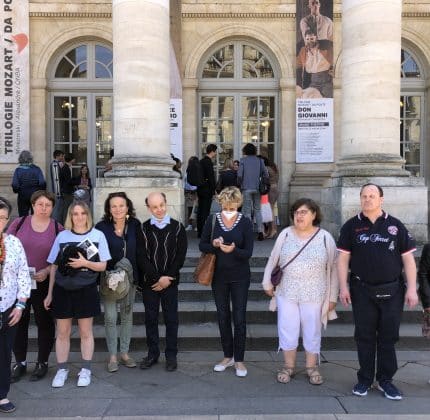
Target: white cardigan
332, 287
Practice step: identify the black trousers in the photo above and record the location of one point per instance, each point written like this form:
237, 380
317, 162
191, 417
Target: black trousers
203, 210
237, 293
377, 325
45, 326
169, 305
24, 206
7, 335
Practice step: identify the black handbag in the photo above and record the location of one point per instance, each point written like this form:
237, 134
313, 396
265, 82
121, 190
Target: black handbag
383, 291
263, 182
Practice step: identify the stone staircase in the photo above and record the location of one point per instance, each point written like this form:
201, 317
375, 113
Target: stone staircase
198, 328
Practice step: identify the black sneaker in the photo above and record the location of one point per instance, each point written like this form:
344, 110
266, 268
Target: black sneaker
7, 408
390, 391
39, 372
360, 389
171, 365
18, 371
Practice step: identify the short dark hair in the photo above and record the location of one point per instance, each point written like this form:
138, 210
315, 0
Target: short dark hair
42, 193
249, 149
311, 205
5, 204
310, 31
162, 194
107, 217
211, 148
381, 191
68, 157
57, 153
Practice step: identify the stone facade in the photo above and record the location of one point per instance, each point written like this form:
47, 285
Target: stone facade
196, 26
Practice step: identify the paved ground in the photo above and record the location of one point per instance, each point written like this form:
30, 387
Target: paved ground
195, 391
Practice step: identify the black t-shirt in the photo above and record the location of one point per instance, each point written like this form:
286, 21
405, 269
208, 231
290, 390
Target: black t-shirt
376, 249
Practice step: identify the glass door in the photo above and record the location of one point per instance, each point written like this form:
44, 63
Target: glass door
82, 125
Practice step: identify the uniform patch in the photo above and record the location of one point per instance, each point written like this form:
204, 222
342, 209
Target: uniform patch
392, 230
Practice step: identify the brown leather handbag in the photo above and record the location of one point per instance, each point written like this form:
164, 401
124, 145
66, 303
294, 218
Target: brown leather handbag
204, 272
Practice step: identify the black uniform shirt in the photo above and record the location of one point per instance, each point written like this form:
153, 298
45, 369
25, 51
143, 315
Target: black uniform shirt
376, 248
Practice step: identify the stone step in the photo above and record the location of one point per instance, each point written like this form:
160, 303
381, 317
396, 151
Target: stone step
205, 336
186, 274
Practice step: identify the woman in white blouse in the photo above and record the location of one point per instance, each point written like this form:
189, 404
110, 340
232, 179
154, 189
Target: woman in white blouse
307, 294
15, 288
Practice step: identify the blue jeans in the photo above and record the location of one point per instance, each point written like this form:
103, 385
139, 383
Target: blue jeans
252, 203
111, 315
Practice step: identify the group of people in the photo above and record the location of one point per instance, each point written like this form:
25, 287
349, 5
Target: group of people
55, 271
201, 186
28, 178
63, 284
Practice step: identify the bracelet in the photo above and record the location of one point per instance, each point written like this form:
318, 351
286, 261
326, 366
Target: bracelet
20, 305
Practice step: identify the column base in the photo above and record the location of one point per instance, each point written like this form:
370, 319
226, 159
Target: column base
137, 189
371, 165
404, 198
147, 166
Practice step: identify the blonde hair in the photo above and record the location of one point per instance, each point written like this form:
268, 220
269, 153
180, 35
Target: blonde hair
230, 195
68, 224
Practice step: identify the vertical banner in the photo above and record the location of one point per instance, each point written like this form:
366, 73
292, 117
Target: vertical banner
176, 127
314, 81
15, 83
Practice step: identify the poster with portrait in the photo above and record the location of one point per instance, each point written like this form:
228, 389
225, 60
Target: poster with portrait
314, 81
15, 84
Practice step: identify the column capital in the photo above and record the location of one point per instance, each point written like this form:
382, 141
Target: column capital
190, 83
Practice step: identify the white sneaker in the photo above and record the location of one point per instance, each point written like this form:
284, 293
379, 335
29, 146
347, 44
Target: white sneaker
241, 373
221, 367
60, 378
84, 377
189, 227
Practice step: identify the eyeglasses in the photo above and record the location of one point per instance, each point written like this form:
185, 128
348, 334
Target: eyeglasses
301, 212
4, 218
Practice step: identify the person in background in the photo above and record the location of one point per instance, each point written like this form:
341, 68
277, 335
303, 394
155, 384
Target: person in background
55, 168
273, 194
250, 170
73, 292
37, 234
177, 166
236, 165
307, 295
374, 249
206, 191
82, 184
160, 267
27, 179
15, 288
190, 192
232, 242
121, 229
227, 176
66, 185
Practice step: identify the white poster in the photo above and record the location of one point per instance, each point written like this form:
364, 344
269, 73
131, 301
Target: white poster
314, 130
15, 84
176, 127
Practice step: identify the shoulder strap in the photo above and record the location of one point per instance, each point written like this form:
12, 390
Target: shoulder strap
301, 249
57, 229
20, 223
213, 226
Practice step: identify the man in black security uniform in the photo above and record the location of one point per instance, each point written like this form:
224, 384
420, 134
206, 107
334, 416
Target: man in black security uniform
376, 247
206, 191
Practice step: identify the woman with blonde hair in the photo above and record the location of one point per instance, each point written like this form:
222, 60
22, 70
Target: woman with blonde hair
77, 257
308, 291
229, 236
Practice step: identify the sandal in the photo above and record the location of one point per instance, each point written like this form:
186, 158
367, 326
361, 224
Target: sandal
285, 374
315, 377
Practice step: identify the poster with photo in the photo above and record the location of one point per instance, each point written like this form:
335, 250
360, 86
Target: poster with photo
314, 81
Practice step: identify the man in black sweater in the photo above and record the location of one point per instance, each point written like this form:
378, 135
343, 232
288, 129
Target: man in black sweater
206, 191
160, 256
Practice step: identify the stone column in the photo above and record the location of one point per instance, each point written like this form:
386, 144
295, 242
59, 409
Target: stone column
141, 93
371, 45
370, 145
